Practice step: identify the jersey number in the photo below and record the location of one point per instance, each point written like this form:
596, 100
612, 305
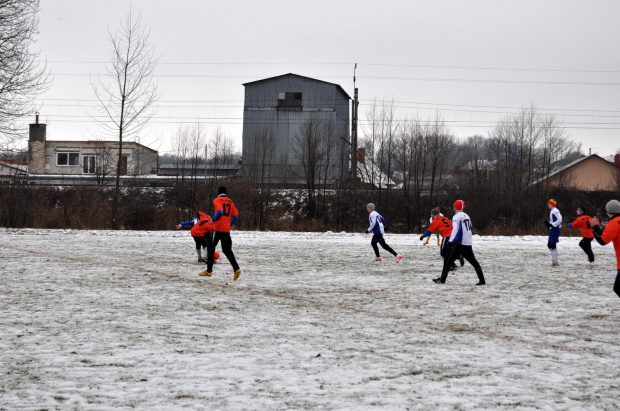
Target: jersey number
226, 209
445, 222
467, 224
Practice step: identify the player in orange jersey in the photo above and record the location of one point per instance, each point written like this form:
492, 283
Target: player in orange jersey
201, 233
582, 222
225, 216
443, 226
611, 233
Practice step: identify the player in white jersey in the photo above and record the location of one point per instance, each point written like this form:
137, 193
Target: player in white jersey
460, 244
554, 225
377, 227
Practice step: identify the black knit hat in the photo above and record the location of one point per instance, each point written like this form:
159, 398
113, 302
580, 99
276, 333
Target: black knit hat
221, 190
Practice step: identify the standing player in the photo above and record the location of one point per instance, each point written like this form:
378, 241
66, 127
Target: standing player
377, 228
554, 224
434, 212
225, 216
201, 233
460, 244
582, 222
611, 233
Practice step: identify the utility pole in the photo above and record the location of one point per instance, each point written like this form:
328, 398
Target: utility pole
354, 108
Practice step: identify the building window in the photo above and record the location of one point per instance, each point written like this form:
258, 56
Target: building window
88, 165
68, 159
289, 99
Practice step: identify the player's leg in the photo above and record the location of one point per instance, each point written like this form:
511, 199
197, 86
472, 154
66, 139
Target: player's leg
198, 242
386, 247
617, 284
467, 252
373, 243
215, 238
587, 248
227, 250
450, 256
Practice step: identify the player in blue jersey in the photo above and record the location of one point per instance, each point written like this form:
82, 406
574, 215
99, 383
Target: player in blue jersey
460, 244
554, 224
377, 228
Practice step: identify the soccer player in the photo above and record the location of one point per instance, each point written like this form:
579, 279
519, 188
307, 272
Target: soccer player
460, 244
377, 228
554, 224
582, 222
441, 225
201, 233
431, 221
225, 216
611, 233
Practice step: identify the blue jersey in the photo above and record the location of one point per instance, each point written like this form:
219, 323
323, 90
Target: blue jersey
377, 223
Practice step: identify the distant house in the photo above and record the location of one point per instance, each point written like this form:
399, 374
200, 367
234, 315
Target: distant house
588, 173
86, 158
369, 174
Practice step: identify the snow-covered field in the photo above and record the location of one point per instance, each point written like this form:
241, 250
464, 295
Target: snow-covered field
96, 320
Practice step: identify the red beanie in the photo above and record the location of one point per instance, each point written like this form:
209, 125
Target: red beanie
459, 205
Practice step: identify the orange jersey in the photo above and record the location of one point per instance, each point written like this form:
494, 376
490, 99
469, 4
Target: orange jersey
611, 232
441, 224
203, 226
228, 209
583, 224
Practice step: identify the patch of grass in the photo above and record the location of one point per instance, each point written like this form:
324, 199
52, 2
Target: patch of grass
60, 398
596, 316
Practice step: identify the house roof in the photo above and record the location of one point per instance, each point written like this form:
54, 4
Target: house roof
367, 171
303, 77
566, 163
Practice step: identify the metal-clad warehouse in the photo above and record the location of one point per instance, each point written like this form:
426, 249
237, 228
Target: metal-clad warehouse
277, 115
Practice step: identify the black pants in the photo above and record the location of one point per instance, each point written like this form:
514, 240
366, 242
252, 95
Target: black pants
226, 249
617, 284
452, 252
378, 238
202, 241
586, 246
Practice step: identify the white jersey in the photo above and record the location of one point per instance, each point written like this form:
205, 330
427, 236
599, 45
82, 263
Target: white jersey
461, 229
376, 225
555, 218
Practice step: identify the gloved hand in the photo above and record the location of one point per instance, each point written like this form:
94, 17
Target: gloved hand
422, 237
366, 232
570, 225
548, 224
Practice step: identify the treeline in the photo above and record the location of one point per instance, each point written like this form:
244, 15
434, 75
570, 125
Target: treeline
345, 208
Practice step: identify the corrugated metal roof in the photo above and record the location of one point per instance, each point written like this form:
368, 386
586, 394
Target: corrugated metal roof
303, 77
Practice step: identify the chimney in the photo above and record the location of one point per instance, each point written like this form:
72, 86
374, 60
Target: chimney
617, 160
36, 147
361, 155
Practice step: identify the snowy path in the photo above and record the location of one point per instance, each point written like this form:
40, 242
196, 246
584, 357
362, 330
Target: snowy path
101, 320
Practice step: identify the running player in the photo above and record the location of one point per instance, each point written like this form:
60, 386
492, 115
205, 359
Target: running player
582, 222
554, 224
460, 244
225, 217
611, 233
377, 228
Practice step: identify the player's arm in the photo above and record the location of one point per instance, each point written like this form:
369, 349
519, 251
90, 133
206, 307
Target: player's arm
558, 219
456, 223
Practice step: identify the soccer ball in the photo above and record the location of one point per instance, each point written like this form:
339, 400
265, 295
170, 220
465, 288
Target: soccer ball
216, 256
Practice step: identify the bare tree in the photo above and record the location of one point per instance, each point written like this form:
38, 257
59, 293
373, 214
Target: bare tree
128, 93
21, 75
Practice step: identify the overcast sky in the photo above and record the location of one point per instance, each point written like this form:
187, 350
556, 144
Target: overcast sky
470, 61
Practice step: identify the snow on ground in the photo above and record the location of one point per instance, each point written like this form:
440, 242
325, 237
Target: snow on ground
97, 320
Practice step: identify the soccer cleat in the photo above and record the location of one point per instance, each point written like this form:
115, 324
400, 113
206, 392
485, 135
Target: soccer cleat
205, 273
481, 283
378, 259
555, 264
200, 260
237, 274
398, 258
438, 281
426, 243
